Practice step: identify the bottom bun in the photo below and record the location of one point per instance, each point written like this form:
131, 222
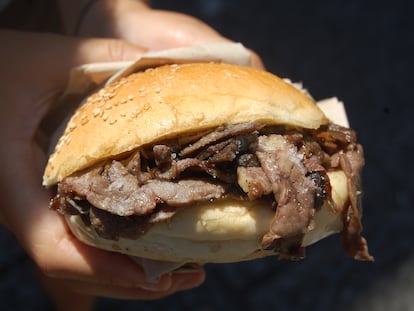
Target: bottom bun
216, 232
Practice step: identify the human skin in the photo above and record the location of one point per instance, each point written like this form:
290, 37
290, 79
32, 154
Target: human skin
34, 73
136, 22
29, 85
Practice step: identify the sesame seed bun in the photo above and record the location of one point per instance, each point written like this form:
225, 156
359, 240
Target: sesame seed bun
170, 100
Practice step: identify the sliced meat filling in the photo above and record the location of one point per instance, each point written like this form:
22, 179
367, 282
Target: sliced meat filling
293, 190
113, 189
287, 167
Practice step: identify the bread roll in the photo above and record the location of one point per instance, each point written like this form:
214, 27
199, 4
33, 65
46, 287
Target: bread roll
172, 100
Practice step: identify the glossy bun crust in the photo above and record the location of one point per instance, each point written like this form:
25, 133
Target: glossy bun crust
170, 100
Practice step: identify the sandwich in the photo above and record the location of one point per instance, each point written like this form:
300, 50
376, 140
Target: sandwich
207, 163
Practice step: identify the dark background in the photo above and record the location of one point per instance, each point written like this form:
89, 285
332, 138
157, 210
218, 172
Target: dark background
359, 51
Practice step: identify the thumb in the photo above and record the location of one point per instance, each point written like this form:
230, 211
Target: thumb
25, 55
105, 50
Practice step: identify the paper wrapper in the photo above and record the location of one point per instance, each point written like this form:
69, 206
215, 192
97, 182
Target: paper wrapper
89, 77
84, 77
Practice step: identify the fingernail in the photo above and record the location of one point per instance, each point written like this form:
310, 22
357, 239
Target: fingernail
189, 268
190, 279
163, 284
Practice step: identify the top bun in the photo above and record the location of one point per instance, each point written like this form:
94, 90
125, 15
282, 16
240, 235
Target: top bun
166, 101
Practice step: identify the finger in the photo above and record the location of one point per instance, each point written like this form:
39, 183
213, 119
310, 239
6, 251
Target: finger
104, 50
54, 55
43, 67
256, 61
65, 289
64, 298
61, 256
179, 282
173, 29
45, 236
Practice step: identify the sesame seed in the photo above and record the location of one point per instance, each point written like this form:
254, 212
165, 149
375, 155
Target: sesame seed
96, 112
71, 125
98, 99
130, 97
135, 113
59, 144
104, 116
108, 95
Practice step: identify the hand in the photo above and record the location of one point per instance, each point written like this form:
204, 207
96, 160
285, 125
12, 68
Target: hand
137, 23
34, 73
